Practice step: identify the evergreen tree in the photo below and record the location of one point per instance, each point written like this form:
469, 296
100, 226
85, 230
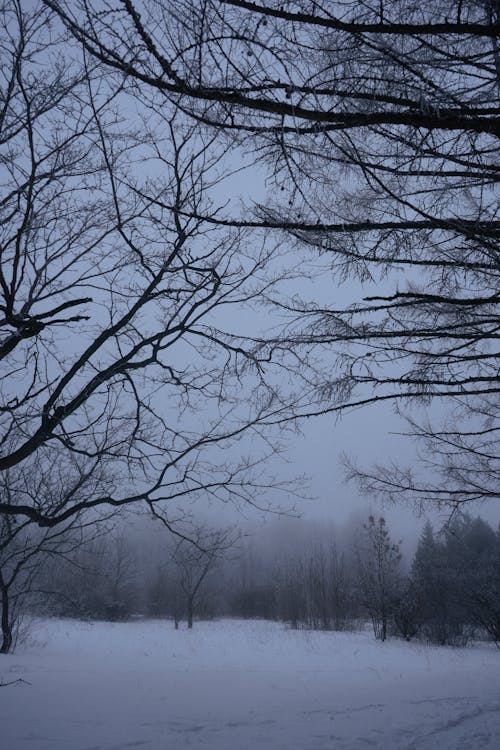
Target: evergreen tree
379, 569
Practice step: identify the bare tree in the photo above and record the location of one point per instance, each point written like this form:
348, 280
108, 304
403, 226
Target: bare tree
194, 559
101, 580
458, 460
379, 125
328, 587
292, 594
123, 340
27, 550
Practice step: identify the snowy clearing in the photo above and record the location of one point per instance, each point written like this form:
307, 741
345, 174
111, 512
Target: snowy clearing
234, 685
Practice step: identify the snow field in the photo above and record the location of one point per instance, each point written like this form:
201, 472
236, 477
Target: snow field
243, 685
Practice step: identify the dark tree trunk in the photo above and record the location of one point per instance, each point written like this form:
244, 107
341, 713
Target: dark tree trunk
6, 624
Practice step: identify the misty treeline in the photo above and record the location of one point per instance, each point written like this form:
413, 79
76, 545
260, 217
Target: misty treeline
308, 575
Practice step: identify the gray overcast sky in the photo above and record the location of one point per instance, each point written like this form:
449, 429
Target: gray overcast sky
368, 435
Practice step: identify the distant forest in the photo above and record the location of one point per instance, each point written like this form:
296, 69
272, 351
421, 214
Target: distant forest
307, 575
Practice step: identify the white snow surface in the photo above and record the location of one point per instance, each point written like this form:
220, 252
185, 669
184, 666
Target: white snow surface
243, 685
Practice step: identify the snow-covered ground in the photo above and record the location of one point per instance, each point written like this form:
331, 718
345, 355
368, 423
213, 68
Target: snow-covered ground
232, 685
